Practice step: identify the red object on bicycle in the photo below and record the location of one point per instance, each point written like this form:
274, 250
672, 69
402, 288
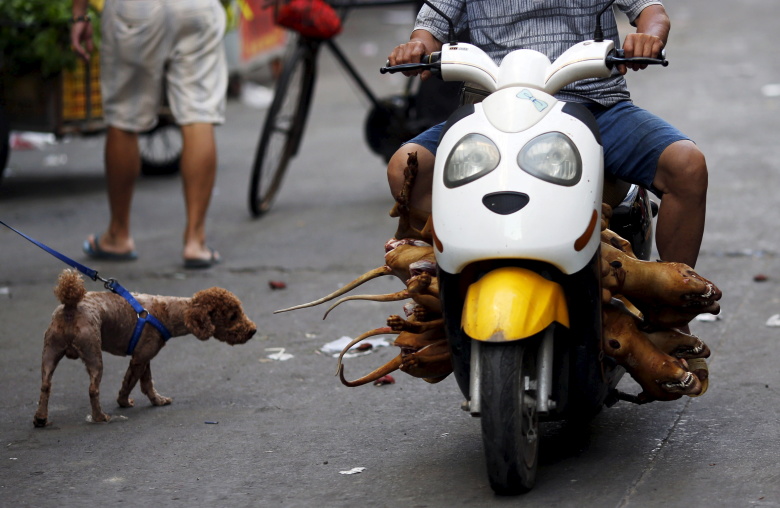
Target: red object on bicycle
311, 18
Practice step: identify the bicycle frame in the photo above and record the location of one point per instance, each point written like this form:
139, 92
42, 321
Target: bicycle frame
286, 119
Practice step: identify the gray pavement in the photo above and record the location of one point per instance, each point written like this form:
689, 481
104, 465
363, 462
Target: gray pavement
286, 429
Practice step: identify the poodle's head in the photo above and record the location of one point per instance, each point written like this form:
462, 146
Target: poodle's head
216, 312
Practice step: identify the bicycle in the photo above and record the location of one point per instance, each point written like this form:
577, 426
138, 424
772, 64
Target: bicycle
390, 122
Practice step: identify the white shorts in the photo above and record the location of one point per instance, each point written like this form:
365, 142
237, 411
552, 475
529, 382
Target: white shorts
152, 46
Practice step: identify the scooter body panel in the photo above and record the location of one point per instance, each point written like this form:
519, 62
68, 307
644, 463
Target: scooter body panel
580, 377
555, 226
524, 67
517, 109
512, 303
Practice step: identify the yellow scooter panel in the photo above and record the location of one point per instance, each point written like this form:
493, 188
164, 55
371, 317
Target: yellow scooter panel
512, 303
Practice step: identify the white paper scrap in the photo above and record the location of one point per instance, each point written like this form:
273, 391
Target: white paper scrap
114, 418
354, 470
773, 321
771, 90
708, 317
55, 160
280, 355
334, 348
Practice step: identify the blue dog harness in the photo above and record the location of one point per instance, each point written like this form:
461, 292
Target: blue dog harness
144, 317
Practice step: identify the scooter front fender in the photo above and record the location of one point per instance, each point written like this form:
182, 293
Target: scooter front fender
512, 303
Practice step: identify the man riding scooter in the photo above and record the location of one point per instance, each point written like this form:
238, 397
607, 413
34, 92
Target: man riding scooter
638, 146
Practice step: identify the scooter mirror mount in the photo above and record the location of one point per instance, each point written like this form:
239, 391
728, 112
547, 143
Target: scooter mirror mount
598, 33
452, 38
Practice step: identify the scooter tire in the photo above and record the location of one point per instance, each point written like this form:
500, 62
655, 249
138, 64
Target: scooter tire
510, 426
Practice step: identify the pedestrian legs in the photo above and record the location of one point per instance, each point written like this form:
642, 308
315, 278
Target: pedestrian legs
198, 171
123, 164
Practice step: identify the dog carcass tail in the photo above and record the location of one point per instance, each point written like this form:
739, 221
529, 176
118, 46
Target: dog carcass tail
370, 275
376, 331
384, 370
392, 297
70, 288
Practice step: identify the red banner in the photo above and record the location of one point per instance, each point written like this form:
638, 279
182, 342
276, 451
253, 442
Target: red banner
259, 34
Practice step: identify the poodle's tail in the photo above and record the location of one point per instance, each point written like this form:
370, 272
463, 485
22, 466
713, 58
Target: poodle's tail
70, 288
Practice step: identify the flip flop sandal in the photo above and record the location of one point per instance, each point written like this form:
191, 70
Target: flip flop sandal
95, 252
197, 263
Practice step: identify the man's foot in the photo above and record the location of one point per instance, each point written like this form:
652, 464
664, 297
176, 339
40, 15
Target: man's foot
93, 248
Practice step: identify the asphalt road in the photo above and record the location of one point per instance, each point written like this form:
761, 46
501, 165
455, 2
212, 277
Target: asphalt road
246, 430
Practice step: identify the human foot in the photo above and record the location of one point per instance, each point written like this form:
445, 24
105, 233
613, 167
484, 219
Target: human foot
96, 249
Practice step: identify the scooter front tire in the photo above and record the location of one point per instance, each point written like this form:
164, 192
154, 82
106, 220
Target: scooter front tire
510, 426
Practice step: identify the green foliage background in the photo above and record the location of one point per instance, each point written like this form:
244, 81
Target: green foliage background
35, 35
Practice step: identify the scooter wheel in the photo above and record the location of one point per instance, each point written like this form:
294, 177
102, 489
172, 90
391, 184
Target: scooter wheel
510, 427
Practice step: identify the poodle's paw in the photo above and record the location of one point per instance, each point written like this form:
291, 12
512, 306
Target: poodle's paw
40, 422
125, 402
100, 418
159, 400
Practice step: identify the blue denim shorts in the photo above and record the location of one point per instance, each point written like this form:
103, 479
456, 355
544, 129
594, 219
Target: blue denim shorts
633, 141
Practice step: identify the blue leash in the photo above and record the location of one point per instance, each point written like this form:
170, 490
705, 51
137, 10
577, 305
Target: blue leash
144, 317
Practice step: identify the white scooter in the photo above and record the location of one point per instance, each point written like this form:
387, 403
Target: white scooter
517, 200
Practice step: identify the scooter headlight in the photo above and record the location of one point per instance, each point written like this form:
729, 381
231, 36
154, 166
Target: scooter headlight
473, 157
553, 158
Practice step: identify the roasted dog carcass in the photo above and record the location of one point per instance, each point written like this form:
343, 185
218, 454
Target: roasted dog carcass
645, 305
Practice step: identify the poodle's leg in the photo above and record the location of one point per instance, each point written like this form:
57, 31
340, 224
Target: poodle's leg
94, 363
134, 372
147, 387
49, 363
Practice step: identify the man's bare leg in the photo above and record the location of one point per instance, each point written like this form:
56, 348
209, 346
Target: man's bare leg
122, 166
198, 171
420, 198
682, 178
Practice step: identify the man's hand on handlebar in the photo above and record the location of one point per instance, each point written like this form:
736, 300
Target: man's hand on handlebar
421, 43
640, 45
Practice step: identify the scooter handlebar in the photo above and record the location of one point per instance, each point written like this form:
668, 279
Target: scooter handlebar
430, 62
619, 58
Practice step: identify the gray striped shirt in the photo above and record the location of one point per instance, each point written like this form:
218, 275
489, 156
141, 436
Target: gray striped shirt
547, 26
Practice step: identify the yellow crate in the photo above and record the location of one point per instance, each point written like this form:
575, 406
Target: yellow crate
67, 103
81, 99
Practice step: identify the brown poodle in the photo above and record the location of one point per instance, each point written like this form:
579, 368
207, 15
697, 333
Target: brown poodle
87, 322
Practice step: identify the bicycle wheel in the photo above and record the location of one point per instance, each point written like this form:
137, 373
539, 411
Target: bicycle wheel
161, 149
5, 144
283, 127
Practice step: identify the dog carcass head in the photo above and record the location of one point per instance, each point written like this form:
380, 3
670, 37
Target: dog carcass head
661, 376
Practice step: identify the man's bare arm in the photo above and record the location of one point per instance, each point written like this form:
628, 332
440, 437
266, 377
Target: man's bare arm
652, 32
81, 31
